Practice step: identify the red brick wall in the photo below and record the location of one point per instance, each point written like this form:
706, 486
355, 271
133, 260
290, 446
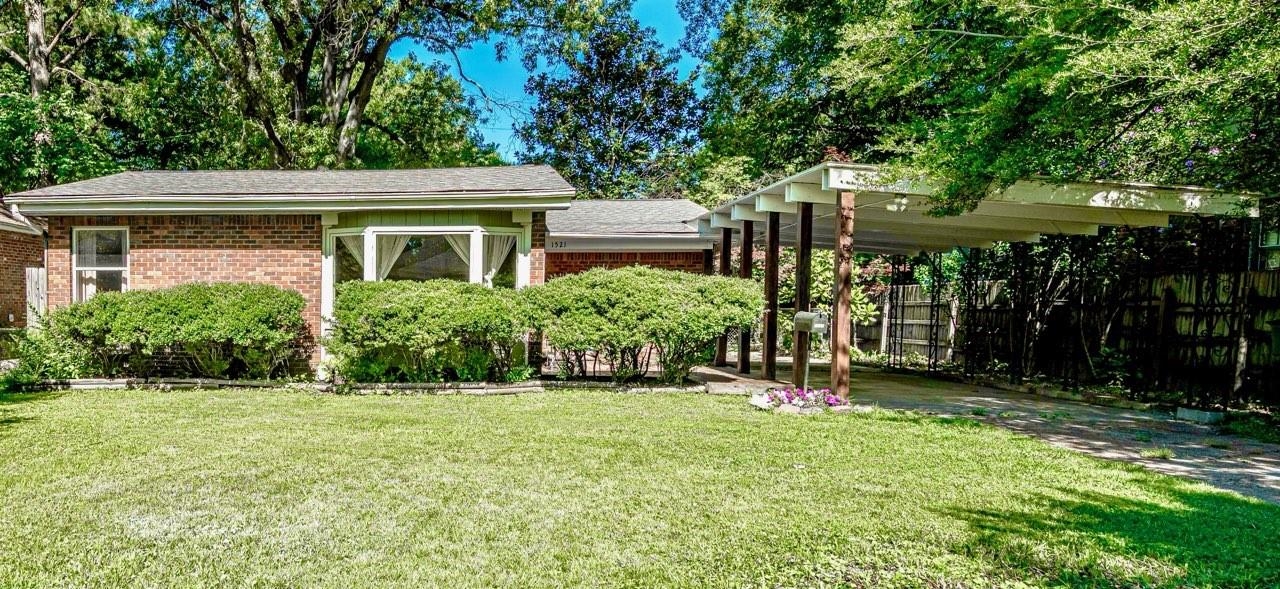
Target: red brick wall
283, 250
538, 249
561, 263
18, 251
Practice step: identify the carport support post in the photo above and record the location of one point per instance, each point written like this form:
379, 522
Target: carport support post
841, 322
804, 257
744, 271
726, 255
769, 355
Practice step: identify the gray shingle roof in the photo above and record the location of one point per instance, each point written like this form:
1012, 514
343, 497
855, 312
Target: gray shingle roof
231, 183
625, 217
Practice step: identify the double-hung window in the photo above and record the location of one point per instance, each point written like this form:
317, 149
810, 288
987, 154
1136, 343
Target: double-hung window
99, 260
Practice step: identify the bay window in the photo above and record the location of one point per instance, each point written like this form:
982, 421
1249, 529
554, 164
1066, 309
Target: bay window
488, 256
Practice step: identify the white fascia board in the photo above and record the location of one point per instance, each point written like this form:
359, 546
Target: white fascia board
21, 228
309, 199
868, 178
1138, 197
747, 212
774, 203
796, 192
97, 206
724, 221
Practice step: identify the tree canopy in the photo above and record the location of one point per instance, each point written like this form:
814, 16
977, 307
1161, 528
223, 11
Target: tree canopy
90, 87
979, 93
618, 120
972, 94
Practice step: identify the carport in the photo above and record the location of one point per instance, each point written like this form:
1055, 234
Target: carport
854, 208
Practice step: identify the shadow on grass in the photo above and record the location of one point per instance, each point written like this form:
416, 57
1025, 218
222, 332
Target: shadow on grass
1181, 537
15, 398
9, 414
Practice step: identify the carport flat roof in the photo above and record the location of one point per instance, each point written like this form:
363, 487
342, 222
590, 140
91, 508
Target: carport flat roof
892, 217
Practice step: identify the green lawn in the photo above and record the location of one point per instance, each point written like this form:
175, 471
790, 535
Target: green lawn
252, 488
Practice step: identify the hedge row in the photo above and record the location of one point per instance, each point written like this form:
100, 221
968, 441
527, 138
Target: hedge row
444, 330
437, 330
202, 330
395, 331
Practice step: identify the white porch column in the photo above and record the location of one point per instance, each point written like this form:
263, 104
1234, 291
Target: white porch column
477, 256
328, 278
523, 245
328, 272
370, 255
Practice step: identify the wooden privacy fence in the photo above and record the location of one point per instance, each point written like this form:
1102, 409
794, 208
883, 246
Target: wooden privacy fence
1209, 337
915, 325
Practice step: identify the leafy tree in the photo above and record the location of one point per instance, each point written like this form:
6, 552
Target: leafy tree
127, 87
52, 36
306, 72
619, 121
979, 93
47, 139
769, 95
419, 117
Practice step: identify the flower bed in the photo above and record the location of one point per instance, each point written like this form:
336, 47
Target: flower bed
799, 400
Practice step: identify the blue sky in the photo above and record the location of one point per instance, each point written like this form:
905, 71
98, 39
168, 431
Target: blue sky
504, 81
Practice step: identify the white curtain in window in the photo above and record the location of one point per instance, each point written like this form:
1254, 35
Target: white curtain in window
389, 249
461, 245
355, 245
496, 248
88, 284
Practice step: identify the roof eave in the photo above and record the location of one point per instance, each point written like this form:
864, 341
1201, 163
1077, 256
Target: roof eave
76, 205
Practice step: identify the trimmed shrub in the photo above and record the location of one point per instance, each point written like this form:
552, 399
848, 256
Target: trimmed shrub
41, 357
436, 330
208, 330
619, 315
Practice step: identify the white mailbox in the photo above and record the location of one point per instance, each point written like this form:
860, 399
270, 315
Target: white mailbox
812, 322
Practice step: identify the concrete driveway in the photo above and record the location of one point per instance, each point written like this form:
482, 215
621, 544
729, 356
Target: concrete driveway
1199, 452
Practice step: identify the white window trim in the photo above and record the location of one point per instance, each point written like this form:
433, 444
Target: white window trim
76, 268
524, 243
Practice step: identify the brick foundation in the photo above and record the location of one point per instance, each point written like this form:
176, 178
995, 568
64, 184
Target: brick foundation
562, 263
167, 250
18, 251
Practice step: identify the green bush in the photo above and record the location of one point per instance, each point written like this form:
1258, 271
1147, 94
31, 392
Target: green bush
402, 331
209, 330
41, 357
620, 314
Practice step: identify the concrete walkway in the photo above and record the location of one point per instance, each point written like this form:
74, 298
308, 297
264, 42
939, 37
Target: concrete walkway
1240, 464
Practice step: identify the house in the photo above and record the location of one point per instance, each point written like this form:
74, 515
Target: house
21, 256
311, 230
615, 233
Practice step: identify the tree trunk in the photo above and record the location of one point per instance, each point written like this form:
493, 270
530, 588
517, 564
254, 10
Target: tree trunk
37, 48
374, 61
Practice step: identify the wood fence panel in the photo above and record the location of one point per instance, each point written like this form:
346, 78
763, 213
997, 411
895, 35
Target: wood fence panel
1177, 333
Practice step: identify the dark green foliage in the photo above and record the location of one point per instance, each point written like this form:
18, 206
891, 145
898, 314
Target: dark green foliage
42, 357
979, 93
619, 314
619, 120
1257, 425
437, 330
208, 330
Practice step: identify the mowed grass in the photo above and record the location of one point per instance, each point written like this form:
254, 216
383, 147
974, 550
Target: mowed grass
283, 488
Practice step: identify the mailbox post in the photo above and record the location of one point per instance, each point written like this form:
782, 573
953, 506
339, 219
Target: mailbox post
813, 323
